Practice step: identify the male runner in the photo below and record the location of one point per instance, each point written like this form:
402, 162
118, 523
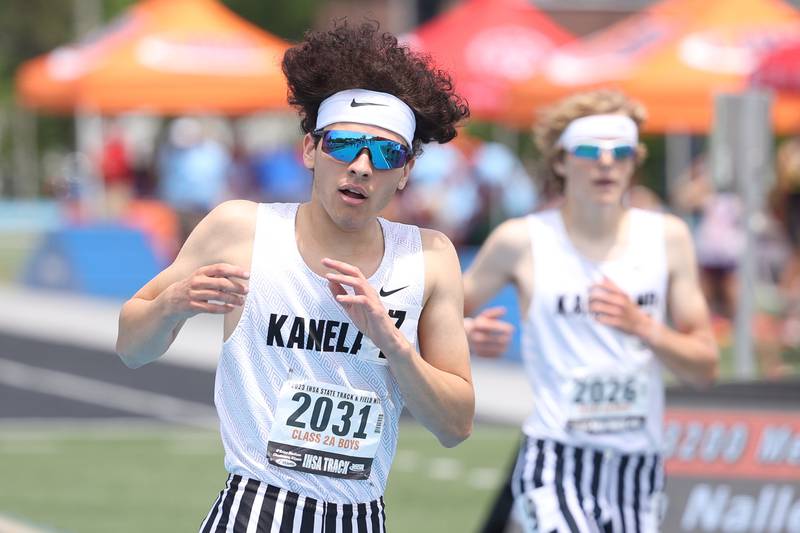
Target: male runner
609, 296
334, 318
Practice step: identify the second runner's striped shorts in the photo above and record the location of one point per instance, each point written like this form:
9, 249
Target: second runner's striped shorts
584, 490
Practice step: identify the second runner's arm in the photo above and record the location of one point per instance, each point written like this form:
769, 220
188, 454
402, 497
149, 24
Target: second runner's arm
491, 270
687, 347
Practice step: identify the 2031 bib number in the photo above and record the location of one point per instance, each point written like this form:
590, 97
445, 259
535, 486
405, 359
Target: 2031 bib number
321, 414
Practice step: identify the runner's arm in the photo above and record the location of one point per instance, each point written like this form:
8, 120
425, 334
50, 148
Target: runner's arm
150, 321
491, 270
493, 266
689, 348
437, 382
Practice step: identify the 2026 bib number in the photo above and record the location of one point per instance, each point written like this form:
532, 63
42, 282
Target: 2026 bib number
608, 390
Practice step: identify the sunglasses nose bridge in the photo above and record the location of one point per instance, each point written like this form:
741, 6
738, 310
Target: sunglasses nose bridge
360, 165
605, 155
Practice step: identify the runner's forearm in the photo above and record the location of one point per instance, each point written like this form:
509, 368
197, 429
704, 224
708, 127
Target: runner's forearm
442, 402
146, 331
692, 357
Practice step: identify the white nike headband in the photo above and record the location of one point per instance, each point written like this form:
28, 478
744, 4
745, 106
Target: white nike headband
368, 107
600, 127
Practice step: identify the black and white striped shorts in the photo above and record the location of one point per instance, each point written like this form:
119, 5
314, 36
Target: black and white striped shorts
250, 506
583, 490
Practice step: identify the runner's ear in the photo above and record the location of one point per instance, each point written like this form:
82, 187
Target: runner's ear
309, 151
406, 175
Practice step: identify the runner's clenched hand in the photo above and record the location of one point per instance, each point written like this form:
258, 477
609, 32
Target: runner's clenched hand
488, 335
364, 307
215, 289
613, 307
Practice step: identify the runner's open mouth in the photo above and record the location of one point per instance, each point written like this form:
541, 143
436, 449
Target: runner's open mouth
352, 194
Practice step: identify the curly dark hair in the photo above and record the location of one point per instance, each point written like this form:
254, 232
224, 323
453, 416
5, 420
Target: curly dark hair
360, 57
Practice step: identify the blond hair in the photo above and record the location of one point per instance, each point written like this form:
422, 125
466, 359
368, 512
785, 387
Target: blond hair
554, 120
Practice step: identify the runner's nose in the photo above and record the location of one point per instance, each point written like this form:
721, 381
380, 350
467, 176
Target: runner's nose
362, 164
606, 157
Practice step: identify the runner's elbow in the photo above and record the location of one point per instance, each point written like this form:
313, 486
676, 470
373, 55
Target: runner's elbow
130, 357
708, 378
456, 435
708, 373
130, 360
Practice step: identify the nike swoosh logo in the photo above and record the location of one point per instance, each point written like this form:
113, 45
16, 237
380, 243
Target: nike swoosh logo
353, 103
384, 293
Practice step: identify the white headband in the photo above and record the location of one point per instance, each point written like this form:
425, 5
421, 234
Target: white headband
596, 127
368, 107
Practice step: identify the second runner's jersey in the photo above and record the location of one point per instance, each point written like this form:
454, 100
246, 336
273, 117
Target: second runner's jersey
594, 385
306, 402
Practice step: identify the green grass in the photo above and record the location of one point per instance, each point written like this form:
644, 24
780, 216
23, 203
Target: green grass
15, 249
164, 480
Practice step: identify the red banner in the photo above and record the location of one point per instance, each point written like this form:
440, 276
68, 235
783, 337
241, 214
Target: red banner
733, 444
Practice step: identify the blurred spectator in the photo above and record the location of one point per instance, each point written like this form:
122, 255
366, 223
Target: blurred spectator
193, 171
715, 217
442, 193
786, 196
115, 170
69, 178
280, 175
785, 203
497, 167
241, 179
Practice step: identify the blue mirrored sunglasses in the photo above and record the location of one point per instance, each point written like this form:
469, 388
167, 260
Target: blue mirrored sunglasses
593, 151
345, 146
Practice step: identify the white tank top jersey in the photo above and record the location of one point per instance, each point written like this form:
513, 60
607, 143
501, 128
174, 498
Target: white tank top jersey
305, 401
593, 385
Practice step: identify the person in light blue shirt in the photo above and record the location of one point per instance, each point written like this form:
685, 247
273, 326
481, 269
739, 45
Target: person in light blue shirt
193, 172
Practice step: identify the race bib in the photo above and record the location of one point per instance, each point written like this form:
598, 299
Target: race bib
326, 430
606, 402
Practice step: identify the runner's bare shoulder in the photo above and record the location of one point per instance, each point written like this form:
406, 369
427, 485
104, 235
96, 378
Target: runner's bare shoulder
511, 238
678, 238
229, 226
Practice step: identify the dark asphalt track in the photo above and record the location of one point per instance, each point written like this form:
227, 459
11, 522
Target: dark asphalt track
15, 402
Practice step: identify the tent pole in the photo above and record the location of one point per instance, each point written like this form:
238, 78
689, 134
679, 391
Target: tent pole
742, 144
678, 159
25, 171
753, 154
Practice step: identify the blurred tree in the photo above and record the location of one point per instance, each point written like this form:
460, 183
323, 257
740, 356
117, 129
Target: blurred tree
32, 27
285, 19
427, 9
27, 28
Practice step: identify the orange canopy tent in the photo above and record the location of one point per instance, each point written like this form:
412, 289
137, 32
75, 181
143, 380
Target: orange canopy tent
674, 57
486, 44
49, 82
163, 56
